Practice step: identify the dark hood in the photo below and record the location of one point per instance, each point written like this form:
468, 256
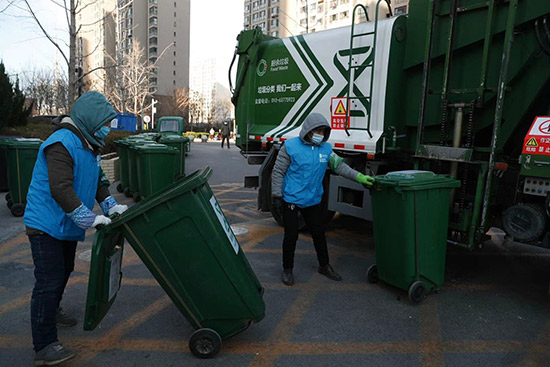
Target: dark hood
314, 121
89, 113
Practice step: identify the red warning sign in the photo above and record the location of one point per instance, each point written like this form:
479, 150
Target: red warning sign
537, 140
338, 113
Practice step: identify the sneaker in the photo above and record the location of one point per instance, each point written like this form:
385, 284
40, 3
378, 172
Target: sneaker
288, 277
329, 272
63, 319
52, 354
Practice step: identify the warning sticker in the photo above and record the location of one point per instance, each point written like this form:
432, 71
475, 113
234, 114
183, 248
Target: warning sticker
338, 112
537, 140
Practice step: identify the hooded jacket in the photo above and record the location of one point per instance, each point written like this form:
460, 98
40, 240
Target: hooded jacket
300, 166
43, 211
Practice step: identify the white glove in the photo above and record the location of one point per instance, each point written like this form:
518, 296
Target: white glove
101, 219
118, 209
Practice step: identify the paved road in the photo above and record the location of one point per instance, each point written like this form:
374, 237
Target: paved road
493, 309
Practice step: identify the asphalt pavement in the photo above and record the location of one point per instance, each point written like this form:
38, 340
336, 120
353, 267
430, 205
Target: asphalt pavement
493, 309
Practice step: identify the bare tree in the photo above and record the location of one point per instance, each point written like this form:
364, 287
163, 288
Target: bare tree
47, 89
196, 102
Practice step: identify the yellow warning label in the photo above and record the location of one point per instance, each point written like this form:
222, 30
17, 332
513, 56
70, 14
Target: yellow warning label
532, 143
340, 109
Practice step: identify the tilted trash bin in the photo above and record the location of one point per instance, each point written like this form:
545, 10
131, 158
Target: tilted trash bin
410, 218
182, 236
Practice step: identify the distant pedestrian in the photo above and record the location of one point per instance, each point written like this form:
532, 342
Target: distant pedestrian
212, 131
67, 177
225, 132
297, 186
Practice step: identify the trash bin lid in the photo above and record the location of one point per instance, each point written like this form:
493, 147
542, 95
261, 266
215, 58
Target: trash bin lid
23, 143
156, 148
416, 179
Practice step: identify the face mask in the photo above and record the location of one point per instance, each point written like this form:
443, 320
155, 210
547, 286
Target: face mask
317, 139
103, 132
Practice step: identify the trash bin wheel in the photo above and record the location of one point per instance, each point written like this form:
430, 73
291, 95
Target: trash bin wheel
417, 291
119, 188
372, 274
127, 192
205, 343
9, 203
8, 196
17, 210
137, 197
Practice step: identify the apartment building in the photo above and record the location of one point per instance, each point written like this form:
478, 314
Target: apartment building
161, 27
209, 100
283, 18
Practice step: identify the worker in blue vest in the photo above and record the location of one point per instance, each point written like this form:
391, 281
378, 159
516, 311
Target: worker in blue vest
297, 186
66, 180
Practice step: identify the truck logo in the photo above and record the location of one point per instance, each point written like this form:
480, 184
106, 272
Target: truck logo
262, 68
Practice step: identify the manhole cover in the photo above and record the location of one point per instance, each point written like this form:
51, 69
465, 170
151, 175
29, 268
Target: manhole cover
85, 255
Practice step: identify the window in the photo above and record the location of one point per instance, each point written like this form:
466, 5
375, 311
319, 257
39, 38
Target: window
275, 11
262, 14
174, 24
153, 10
174, 14
333, 17
153, 51
153, 41
174, 73
152, 1
247, 8
274, 23
153, 31
255, 5
174, 53
153, 20
255, 17
275, 34
153, 80
174, 34
175, 6
174, 62
262, 26
246, 20
343, 15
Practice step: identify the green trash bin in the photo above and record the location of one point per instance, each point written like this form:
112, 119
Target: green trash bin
123, 145
182, 236
155, 164
133, 183
21, 157
180, 143
410, 221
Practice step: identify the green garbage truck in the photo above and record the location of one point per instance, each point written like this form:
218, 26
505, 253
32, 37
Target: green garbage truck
453, 87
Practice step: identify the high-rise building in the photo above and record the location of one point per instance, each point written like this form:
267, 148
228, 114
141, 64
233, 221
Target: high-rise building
161, 27
283, 18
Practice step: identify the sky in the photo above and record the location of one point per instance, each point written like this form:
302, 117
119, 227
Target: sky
215, 25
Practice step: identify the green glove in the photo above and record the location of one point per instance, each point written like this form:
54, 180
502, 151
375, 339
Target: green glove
364, 179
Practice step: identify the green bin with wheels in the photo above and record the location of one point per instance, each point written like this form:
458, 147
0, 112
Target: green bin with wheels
123, 145
133, 183
410, 219
184, 239
180, 143
21, 157
156, 168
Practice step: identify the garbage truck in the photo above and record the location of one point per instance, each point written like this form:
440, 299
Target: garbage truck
460, 87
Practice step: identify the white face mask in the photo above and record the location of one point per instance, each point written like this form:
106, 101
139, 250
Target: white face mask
317, 139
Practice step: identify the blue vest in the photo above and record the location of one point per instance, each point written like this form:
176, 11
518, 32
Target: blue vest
42, 211
303, 181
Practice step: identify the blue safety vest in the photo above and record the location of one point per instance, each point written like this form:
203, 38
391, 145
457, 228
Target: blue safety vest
42, 211
303, 181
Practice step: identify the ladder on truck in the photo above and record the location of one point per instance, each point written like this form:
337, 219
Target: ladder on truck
465, 230
358, 69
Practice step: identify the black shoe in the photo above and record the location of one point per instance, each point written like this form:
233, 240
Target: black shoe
63, 319
329, 272
52, 354
288, 277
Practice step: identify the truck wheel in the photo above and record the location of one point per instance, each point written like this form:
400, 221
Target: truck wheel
127, 192
137, 197
372, 274
8, 196
524, 222
9, 203
17, 210
205, 343
417, 291
119, 188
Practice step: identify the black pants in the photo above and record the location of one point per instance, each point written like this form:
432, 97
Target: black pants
53, 264
224, 137
313, 216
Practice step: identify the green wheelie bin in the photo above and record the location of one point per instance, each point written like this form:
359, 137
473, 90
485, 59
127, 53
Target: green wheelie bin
21, 157
184, 239
123, 145
156, 168
133, 183
180, 143
410, 220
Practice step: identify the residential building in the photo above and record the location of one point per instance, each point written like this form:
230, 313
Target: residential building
160, 26
293, 17
209, 100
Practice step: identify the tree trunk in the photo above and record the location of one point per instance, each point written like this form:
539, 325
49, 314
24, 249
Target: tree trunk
71, 93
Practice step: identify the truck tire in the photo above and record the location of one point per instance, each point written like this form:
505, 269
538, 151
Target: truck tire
525, 222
